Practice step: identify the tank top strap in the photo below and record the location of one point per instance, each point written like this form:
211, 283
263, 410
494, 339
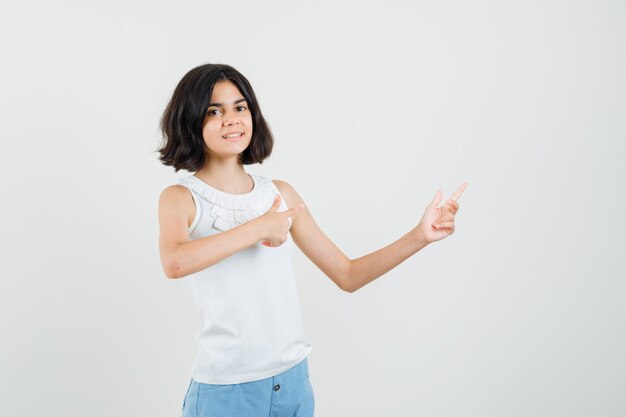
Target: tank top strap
196, 201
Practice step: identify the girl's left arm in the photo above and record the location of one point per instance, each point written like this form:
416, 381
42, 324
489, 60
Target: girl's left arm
348, 274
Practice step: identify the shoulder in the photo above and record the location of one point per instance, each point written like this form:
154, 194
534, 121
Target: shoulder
176, 201
177, 196
174, 192
292, 198
284, 187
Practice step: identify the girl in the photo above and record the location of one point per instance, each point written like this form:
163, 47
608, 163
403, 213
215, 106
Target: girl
232, 234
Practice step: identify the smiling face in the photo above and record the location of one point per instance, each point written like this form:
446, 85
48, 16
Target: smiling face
227, 114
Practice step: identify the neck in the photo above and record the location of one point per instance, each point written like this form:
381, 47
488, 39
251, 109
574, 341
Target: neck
226, 175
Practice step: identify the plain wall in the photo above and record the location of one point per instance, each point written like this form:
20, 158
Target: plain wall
374, 107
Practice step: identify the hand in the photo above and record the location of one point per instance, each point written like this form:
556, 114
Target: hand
275, 225
438, 222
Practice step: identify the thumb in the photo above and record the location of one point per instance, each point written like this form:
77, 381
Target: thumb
276, 203
437, 199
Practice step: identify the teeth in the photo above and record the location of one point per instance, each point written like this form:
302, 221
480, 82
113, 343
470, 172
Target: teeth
232, 135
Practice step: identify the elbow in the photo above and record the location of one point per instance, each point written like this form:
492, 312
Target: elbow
172, 270
170, 273
346, 282
348, 289
172, 266
341, 281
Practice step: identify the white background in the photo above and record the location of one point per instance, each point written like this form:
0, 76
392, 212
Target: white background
374, 106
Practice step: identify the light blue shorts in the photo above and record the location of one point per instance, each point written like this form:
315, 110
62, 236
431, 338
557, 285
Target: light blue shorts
288, 394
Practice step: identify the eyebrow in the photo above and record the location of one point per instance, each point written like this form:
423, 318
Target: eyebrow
221, 105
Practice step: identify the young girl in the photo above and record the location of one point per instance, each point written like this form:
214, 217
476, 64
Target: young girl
232, 235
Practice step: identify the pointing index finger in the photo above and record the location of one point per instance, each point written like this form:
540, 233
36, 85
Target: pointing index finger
459, 191
294, 210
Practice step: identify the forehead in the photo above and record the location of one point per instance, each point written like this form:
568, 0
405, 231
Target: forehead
225, 91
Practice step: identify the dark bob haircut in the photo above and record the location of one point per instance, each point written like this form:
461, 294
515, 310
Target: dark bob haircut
182, 121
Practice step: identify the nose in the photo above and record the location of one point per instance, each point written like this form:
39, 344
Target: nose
230, 119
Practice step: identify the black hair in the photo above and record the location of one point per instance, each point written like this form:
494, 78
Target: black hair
182, 121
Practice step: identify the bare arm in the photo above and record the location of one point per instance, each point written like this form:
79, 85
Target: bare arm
347, 274
350, 275
196, 255
367, 268
181, 256
313, 242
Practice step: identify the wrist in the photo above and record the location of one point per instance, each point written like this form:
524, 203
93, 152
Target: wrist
254, 230
419, 237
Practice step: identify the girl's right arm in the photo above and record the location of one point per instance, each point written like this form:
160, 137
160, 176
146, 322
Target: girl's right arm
181, 256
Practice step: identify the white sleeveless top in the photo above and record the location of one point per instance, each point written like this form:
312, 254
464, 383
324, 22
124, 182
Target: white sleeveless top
250, 321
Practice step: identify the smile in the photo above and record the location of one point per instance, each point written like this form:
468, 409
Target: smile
233, 135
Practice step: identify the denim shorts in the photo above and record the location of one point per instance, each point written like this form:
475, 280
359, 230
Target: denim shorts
288, 394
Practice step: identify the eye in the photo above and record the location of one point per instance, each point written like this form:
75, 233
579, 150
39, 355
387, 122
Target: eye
241, 107
211, 112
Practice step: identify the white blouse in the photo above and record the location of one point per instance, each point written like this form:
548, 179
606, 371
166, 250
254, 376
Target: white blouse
250, 321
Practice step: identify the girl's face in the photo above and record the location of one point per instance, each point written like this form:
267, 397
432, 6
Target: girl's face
227, 114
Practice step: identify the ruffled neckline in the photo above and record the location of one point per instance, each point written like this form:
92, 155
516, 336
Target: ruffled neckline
244, 195
230, 210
